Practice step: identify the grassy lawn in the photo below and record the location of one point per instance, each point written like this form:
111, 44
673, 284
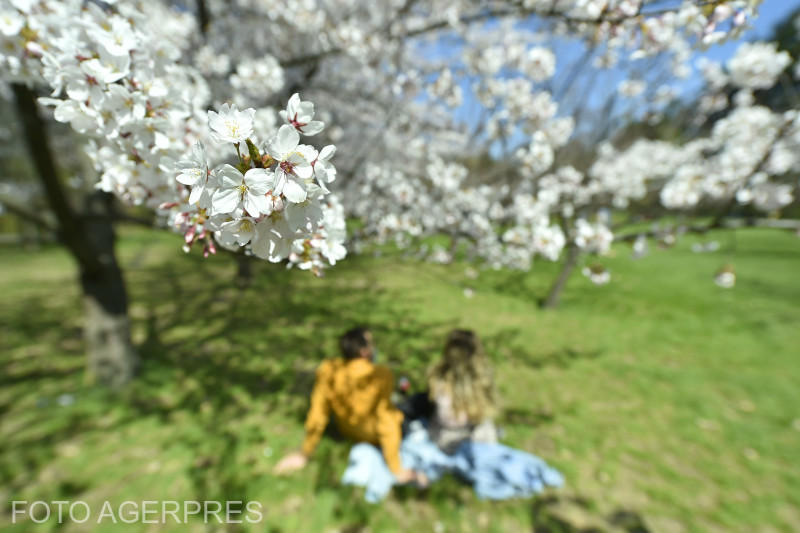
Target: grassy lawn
668, 403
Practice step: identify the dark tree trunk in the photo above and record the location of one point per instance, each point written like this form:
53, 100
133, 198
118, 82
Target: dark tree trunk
244, 271
453, 246
554, 294
202, 17
112, 359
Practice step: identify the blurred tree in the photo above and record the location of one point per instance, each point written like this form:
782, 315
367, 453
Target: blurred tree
786, 94
89, 237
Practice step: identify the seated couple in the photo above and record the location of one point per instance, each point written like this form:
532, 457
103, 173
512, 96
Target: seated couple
459, 404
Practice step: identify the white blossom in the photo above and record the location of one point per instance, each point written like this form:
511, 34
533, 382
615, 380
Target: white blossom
230, 125
300, 115
294, 163
757, 65
248, 190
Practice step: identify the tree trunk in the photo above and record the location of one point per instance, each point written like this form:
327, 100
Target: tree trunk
453, 246
554, 294
203, 19
244, 271
112, 359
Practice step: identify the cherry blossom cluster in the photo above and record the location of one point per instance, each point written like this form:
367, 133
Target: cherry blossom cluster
597, 274
272, 201
114, 78
755, 66
376, 54
122, 81
324, 245
141, 91
625, 21
744, 158
406, 206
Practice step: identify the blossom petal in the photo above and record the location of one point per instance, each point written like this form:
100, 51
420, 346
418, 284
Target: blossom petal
269, 243
280, 181
327, 152
294, 191
197, 191
285, 141
304, 171
215, 121
256, 204
295, 216
280, 250
187, 177
262, 241
302, 168
229, 177
259, 180
308, 152
323, 188
305, 111
313, 127
225, 200
244, 235
292, 106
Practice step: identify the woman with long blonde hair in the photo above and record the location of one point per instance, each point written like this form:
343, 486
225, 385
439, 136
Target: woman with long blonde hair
461, 385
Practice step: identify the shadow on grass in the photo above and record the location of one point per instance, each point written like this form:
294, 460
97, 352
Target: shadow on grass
250, 339
570, 514
213, 355
525, 417
259, 347
507, 342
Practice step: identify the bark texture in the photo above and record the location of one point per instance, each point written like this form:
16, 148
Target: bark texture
89, 237
554, 294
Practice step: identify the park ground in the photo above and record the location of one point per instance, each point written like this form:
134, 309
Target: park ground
669, 404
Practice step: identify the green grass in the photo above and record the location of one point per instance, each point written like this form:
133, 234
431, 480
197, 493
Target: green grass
668, 403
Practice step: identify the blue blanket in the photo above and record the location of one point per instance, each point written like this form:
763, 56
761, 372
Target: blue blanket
495, 471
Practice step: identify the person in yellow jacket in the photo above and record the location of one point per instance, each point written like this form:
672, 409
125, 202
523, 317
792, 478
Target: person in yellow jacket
358, 394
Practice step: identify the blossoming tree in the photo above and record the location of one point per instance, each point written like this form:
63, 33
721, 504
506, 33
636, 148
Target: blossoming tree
546, 201
138, 78
122, 82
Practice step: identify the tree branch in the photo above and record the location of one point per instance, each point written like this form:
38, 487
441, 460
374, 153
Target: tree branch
27, 214
515, 9
70, 229
203, 19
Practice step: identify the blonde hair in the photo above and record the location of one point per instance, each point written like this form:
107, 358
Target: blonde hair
465, 374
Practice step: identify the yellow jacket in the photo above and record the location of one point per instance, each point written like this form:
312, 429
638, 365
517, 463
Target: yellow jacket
359, 395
